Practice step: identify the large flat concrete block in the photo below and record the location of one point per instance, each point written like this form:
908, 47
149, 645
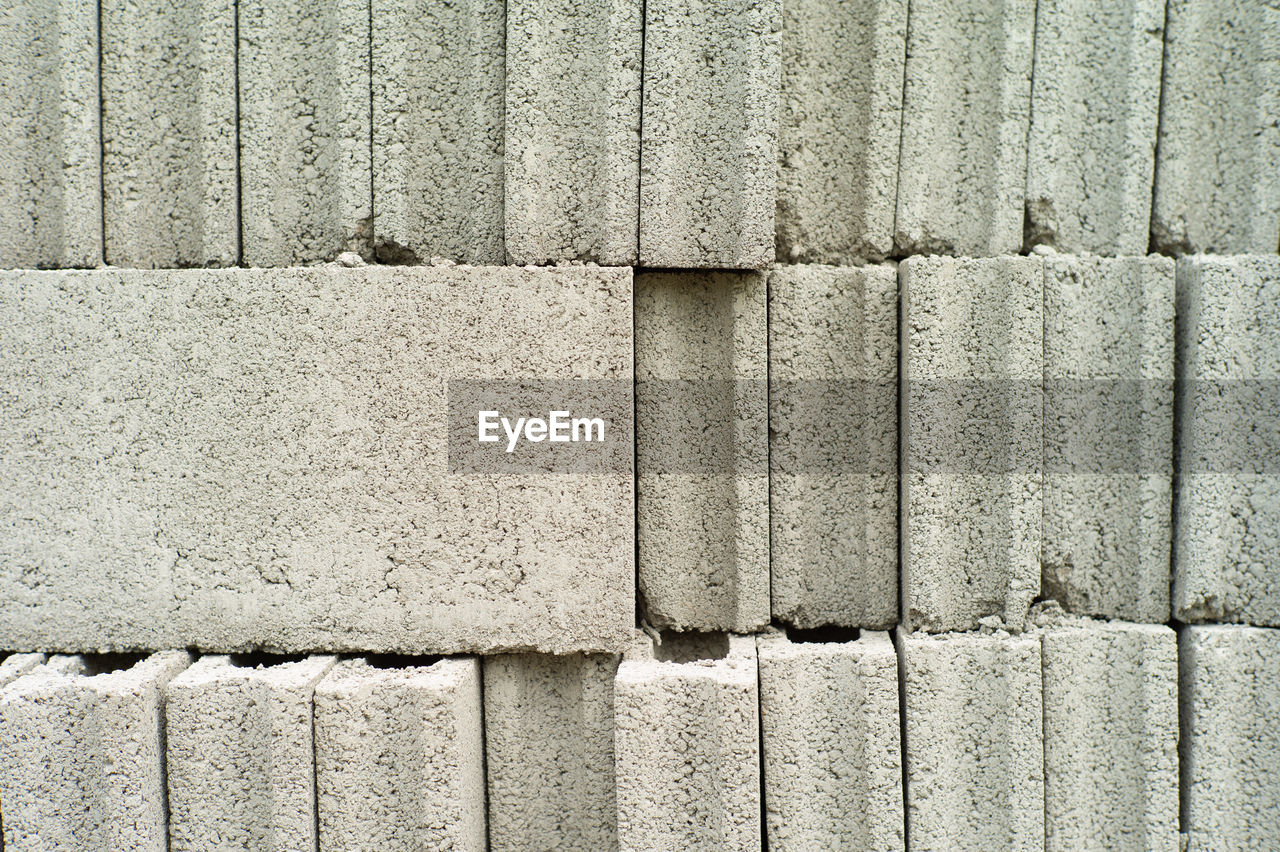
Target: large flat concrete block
832, 750
840, 128
1110, 737
702, 493
1229, 694
50, 145
240, 754
965, 113
572, 121
82, 754
833, 445
1108, 433
1217, 179
1095, 104
974, 750
688, 746
1227, 516
972, 398
437, 130
169, 184
549, 761
240, 459
305, 149
709, 146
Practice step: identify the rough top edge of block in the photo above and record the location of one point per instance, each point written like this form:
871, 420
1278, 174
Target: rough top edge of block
289, 674
640, 663
59, 673
17, 665
350, 677
1027, 639
928, 262
869, 643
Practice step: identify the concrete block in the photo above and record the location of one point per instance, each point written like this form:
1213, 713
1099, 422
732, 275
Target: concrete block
832, 749
437, 130
833, 445
82, 754
1227, 514
170, 190
400, 757
709, 142
974, 750
965, 114
1095, 104
702, 488
1108, 435
1110, 737
572, 120
305, 148
688, 745
840, 129
240, 754
1217, 179
16, 665
51, 160
548, 738
241, 459
971, 399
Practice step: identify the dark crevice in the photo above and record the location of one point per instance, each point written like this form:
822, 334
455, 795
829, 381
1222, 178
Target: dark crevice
399, 661
97, 664
691, 647
265, 659
826, 634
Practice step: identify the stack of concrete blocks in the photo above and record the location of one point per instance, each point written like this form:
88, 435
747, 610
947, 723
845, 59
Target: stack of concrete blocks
687, 740
830, 734
240, 755
833, 445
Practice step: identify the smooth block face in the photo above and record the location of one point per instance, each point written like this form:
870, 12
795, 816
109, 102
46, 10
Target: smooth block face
266, 458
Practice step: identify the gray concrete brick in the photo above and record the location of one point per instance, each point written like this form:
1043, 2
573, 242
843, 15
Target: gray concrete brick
240, 755
82, 755
1108, 433
16, 665
972, 378
169, 133
437, 130
548, 737
305, 150
1217, 177
709, 141
965, 114
1095, 104
840, 128
833, 445
236, 459
702, 486
50, 145
832, 749
572, 121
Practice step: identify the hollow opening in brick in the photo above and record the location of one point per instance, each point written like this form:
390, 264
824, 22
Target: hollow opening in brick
825, 634
96, 664
690, 647
264, 659
399, 661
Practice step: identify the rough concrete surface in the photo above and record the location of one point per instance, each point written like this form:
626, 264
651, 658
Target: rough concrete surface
1095, 104
1217, 180
82, 754
974, 750
709, 140
232, 459
16, 665
965, 112
400, 757
240, 756
305, 154
170, 194
687, 742
833, 445
50, 147
971, 403
1108, 433
437, 130
1110, 737
572, 151
702, 488
548, 738
832, 753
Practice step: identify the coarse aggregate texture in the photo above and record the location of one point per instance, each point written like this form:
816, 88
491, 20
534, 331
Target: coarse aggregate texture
15, 666
241, 459
1108, 433
702, 487
832, 750
833, 445
709, 139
